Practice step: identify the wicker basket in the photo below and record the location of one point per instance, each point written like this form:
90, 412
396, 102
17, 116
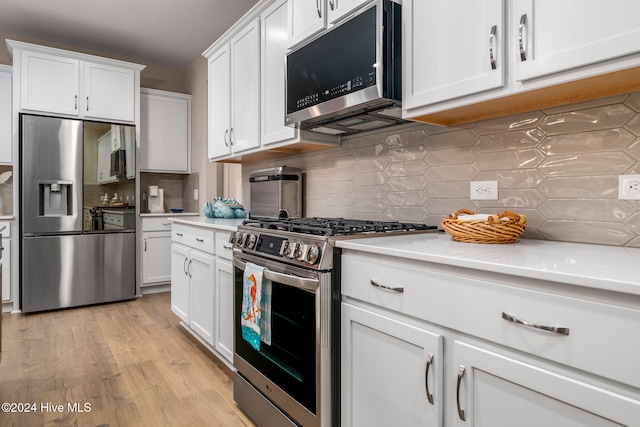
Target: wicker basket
494, 230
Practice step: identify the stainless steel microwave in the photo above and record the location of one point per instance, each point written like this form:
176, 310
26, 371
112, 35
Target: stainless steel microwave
349, 79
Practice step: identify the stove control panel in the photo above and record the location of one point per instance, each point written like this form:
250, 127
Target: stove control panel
299, 250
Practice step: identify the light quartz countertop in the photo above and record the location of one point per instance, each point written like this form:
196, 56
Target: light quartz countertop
163, 214
216, 223
602, 267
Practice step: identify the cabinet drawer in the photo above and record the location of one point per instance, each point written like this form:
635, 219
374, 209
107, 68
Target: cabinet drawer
223, 247
156, 224
600, 336
194, 237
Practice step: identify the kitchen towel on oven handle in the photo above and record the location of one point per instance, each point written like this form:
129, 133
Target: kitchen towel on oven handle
256, 306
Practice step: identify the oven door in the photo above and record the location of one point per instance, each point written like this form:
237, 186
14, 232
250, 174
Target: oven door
294, 372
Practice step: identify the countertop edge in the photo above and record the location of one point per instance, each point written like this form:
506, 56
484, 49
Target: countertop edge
443, 250
214, 223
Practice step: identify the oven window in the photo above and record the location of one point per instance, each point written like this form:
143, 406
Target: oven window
290, 360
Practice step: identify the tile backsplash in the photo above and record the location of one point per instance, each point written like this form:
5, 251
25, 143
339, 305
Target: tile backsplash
559, 167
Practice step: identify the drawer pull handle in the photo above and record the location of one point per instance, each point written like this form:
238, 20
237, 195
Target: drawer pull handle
227, 247
492, 56
521, 37
166, 224
178, 234
461, 370
199, 240
556, 329
426, 378
397, 289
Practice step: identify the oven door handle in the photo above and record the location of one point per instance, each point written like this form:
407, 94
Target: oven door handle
303, 283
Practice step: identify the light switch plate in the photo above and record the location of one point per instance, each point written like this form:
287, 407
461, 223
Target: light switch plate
195, 194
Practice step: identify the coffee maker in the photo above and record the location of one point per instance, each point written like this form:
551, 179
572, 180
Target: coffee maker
155, 201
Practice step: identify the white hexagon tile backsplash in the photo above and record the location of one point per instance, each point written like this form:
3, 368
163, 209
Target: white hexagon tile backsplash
559, 167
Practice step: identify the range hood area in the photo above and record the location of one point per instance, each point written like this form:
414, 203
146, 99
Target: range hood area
349, 79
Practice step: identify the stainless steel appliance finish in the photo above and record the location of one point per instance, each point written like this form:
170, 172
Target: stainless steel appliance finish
74, 270
61, 264
276, 192
302, 262
349, 79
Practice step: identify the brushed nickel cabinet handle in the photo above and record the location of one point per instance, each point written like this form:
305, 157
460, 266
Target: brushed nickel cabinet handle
189, 267
426, 378
178, 234
184, 266
521, 42
332, 4
226, 132
87, 103
555, 329
492, 37
145, 245
318, 8
397, 289
231, 136
199, 240
75, 105
461, 370
166, 224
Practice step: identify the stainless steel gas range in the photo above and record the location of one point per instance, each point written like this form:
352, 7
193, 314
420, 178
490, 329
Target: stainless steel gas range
293, 378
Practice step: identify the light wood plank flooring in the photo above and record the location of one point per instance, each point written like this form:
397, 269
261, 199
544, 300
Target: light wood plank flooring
131, 362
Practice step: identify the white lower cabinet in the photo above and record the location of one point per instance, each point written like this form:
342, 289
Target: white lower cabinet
391, 371
202, 286
493, 389
433, 346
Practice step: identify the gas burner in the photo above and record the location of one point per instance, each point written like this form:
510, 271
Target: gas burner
335, 226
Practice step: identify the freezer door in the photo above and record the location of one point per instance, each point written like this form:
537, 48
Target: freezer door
51, 175
74, 270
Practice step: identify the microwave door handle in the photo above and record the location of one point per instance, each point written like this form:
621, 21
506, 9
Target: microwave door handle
303, 283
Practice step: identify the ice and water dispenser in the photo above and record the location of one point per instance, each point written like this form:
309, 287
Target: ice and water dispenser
55, 198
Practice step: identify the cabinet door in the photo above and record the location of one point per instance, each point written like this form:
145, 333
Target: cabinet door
104, 160
337, 9
451, 49
558, 36
5, 116
305, 18
391, 372
6, 269
500, 391
201, 271
164, 133
224, 309
274, 47
49, 83
156, 257
180, 283
245, 88
219, 102
109, 92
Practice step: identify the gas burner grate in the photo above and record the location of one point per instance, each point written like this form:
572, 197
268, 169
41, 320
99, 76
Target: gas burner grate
335, 226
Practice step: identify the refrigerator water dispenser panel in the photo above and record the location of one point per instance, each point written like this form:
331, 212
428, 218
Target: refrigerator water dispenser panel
55, 198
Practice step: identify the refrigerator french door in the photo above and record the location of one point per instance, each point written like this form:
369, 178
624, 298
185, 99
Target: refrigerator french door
61, 264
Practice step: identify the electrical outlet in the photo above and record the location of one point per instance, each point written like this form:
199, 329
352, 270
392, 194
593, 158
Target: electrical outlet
484, 190
629, 187
195, 194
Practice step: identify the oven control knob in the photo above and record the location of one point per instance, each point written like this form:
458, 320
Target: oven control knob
292, 248
313, 254
251, 241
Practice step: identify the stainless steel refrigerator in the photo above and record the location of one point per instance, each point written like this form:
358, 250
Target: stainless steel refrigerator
62, 263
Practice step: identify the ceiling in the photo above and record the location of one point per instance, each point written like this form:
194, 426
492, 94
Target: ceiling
169, 32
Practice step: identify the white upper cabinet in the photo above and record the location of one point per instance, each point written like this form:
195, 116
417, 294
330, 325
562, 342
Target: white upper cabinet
50, 83
234, 94
305, 19
5, 115
219, 102
165, 131
274, 46
72, 84
451, 49
109, 92
558, 36
543, 53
